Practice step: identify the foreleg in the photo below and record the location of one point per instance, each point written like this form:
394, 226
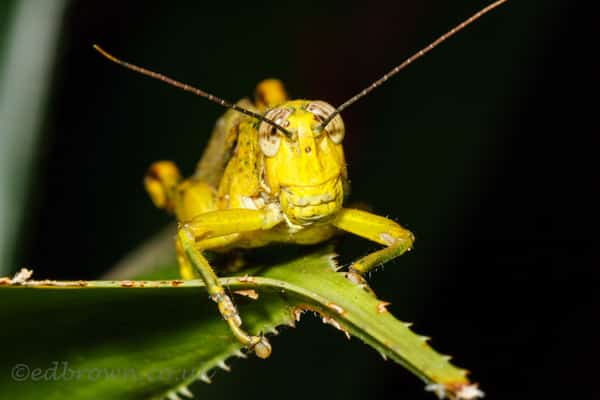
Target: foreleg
207, 229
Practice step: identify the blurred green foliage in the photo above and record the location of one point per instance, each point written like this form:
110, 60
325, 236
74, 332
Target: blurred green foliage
27, 54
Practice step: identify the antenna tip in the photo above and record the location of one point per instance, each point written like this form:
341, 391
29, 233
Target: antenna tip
105, 53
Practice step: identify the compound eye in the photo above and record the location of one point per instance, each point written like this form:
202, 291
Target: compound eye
269, 138
335, 128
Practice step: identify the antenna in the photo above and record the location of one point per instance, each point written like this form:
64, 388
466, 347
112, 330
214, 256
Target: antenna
189, 88
409, 60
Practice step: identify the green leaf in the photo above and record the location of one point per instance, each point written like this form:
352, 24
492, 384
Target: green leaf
151, 339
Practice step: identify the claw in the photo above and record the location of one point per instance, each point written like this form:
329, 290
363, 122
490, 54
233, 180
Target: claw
355, 277
262, 348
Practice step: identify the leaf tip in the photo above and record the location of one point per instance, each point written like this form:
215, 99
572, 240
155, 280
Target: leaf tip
184, 391
469, 392
333, 262
224, 366
455, 392
336, 308
173, 396
238, 353
204, 378
382, 307
297, 311
436, 388
20, 277
336, 325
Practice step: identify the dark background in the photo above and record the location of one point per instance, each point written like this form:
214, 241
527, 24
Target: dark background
482, 149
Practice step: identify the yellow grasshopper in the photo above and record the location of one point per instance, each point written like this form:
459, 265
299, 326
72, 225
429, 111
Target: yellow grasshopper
273, 171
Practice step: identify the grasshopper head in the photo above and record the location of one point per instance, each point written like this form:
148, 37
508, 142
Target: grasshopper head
306, 169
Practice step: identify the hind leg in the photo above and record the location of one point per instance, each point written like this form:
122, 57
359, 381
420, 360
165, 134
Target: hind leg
186, 198
160, 182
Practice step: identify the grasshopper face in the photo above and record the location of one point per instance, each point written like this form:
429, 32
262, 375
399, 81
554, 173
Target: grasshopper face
306, 170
